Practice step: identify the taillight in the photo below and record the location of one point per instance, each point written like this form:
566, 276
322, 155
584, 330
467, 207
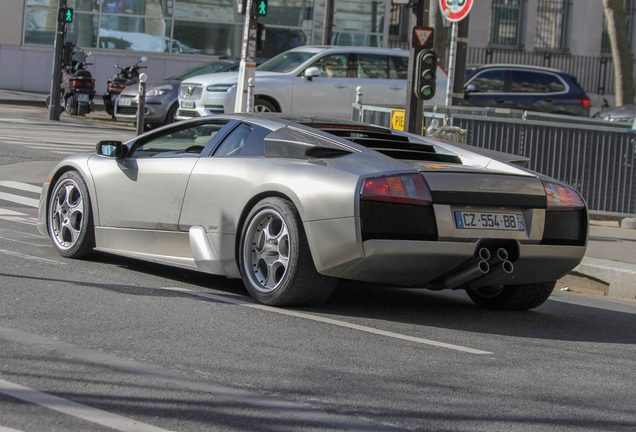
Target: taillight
116, 86
76, 83
90, 84
562, 198
405, 188
585, 102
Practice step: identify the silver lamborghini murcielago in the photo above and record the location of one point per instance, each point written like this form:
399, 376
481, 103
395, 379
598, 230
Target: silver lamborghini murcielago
291, 204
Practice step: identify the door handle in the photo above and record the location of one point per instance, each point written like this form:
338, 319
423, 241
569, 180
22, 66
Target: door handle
500, 100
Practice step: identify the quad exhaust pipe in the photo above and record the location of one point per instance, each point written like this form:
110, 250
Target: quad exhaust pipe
480, 271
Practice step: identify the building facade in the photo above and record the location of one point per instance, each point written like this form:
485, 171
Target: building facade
177, 34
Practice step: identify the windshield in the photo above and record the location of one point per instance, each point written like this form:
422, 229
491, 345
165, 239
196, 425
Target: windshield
286, 62
201, 69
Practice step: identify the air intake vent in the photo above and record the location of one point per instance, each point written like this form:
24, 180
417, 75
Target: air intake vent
391, 221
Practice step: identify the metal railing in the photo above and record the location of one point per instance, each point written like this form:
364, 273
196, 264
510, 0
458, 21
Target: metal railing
595, 157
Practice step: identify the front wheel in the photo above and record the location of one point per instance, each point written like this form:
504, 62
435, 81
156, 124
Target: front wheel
263, 106
70, 217
172, 114
275, 259
512, 297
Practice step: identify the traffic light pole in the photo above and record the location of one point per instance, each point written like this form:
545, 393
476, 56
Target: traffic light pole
413, 111
56, 82
247, 68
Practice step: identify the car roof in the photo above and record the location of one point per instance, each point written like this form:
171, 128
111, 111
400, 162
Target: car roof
355, 49
517, 66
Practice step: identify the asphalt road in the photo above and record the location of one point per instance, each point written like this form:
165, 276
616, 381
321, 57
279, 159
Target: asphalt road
117, 344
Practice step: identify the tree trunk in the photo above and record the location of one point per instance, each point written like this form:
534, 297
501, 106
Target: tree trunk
621, 51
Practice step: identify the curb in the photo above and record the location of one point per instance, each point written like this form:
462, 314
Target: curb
616, 279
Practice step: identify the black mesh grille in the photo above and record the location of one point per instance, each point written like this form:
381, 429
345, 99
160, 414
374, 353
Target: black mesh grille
127, 110
392, 221
565, 228
490, 199
188, 113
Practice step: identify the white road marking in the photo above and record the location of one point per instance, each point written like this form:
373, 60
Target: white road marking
254, 399
21, 186
30, 257
329, 321
19, 220
75, 409
7, 212
8, 429
31, 202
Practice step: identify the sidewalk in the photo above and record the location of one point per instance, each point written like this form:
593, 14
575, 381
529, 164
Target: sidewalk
609, 266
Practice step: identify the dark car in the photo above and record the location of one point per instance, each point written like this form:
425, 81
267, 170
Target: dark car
529, 88
162, 96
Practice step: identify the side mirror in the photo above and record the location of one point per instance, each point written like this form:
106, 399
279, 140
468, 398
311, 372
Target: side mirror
115, 65
311, 72
114, 149
143, 58
471, 88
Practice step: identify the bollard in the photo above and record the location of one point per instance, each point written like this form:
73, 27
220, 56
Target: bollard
359, 102
250, 95
141, 103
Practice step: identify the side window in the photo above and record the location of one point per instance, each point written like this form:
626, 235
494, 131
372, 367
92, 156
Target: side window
332, 66
234, 143
188, 141
552, 84
524, 81
373, 66
399, 67
490, 81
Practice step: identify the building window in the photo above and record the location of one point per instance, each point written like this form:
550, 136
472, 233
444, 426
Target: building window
630, 7
552, 25
505, 28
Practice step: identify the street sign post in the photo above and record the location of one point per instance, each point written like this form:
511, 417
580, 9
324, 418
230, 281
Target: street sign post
453, 11
247, 68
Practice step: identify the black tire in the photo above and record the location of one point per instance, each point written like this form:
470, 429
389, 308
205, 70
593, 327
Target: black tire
82, 110
172, 113
263, 106
70, 217
275, 260
512, 297
70, 106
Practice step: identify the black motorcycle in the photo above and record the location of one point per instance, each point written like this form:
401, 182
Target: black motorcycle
78, 85
124, 77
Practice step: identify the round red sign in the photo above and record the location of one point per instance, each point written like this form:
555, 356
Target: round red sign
455, 10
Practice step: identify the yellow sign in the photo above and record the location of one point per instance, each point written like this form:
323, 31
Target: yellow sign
397, 119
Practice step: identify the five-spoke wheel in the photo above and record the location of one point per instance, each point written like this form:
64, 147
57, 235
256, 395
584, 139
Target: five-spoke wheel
70, 219
275, 259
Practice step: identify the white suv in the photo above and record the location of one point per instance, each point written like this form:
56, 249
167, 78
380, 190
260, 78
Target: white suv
313, 80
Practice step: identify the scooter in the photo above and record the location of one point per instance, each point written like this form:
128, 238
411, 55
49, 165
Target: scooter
78, 85
124, 77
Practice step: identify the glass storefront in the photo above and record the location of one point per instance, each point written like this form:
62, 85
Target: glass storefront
203, 27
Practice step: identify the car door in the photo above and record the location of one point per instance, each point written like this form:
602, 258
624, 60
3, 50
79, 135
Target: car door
525, 91
486, 89
382, 78
145, 190
331, 94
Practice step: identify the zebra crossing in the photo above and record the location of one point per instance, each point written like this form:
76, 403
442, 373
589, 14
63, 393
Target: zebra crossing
19, 201
64, 140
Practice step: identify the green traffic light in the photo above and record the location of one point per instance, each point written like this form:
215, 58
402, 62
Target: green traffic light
426, 91
262, 7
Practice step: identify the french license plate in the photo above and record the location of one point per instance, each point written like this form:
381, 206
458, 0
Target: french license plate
124, 102
83, 97
490, 220
187, 104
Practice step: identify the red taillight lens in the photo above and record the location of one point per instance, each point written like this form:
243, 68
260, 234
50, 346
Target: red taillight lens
116, 86
405, 188
562, 198
586, 102
90, 84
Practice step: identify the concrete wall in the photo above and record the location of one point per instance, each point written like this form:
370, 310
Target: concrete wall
11, 20
31, 69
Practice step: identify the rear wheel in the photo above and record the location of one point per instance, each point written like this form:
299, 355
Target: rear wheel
71, 105
512, 297
70, 217
82, 109
275, 259
261, 105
